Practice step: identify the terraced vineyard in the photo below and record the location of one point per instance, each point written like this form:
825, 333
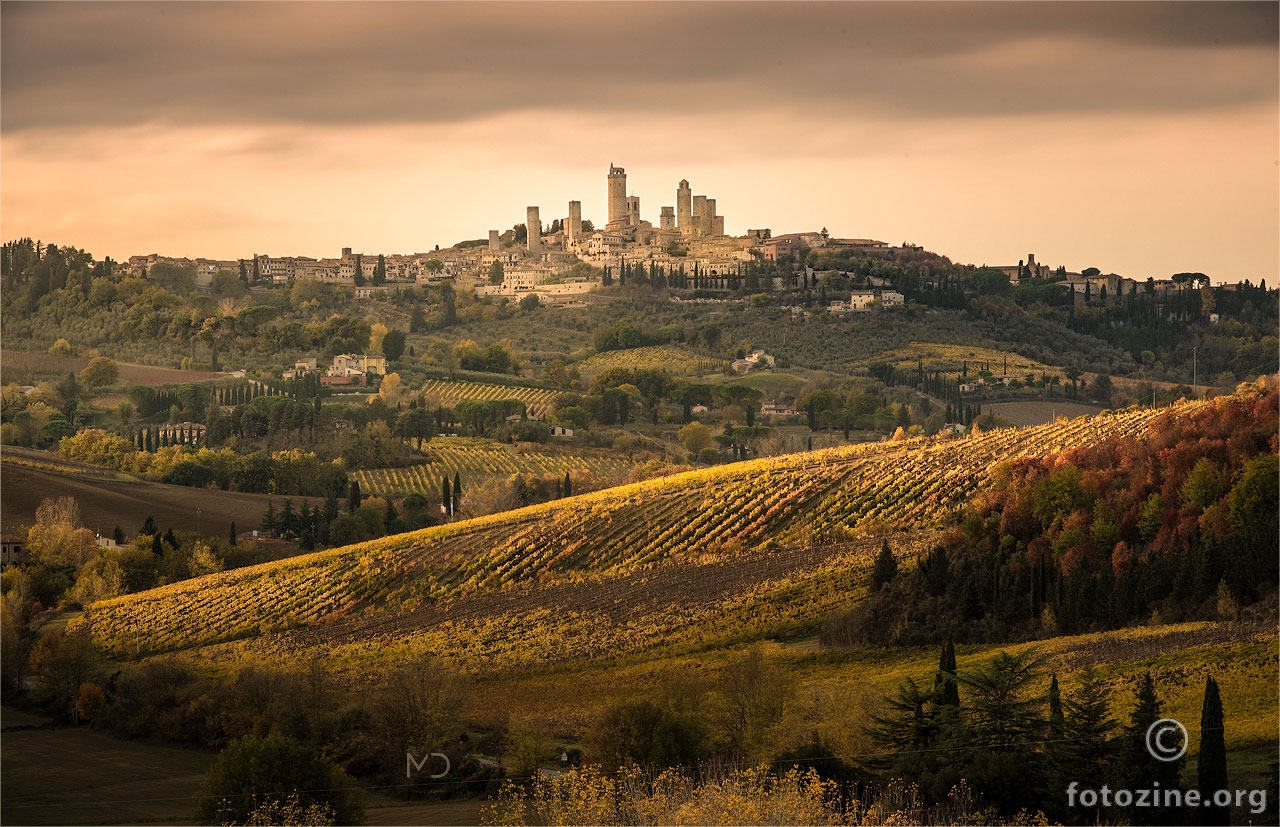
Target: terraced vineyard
618, 539
450, 393
673, 360
478, 461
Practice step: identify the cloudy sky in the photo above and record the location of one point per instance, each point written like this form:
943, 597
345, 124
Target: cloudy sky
1140, 138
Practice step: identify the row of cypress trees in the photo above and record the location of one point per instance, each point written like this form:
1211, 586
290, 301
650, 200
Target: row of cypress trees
1019, 749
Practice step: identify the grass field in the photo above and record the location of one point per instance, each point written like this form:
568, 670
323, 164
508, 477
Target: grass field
837, 691
64, 775
945, 357
673, 360
78, 776
1039, 412
770, 381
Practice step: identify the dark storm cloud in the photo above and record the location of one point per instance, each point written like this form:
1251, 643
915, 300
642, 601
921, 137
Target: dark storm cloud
76, 65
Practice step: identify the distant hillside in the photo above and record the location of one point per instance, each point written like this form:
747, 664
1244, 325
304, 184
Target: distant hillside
107, 500
747, 513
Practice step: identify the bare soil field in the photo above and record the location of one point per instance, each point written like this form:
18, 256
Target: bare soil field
26, 367
150, 375
1039, 413
105, 502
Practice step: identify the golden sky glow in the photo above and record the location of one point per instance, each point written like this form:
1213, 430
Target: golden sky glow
1139, 138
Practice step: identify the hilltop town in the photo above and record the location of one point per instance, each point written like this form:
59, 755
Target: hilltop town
687, 249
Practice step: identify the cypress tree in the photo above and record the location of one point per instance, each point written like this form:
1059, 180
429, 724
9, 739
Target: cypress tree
232, 538
446, 498
1085, 751
149, 526
1211, 769
118, 536
457, 492
288, 519
946, 684
1055, 709
170, 539
568, 485
884, 569
157, 548
353, 496
1140, 769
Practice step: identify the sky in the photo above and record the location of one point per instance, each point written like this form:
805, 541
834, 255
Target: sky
1139, 138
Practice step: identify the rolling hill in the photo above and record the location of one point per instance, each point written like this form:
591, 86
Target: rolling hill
755, 548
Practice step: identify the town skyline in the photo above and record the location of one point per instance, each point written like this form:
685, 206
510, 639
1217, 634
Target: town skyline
1136, 138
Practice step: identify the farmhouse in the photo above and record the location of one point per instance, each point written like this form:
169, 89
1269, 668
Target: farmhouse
13, 549
357, 366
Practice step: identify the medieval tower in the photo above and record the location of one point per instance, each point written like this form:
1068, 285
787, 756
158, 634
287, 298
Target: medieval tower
573, 227
684, 208
533, 228
617, 196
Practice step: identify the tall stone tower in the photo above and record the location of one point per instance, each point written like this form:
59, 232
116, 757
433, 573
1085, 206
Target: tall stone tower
684, 208
533, 227
633, 210
700, 217
617, 196
668, 219
574, 227
495, 243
